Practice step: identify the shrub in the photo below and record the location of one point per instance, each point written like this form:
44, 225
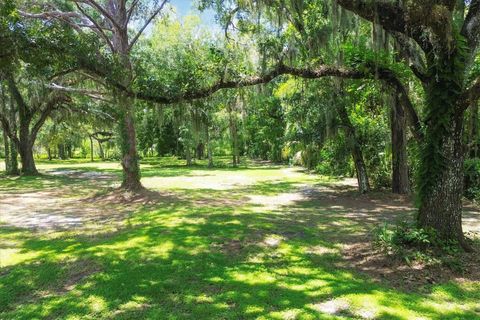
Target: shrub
411, 243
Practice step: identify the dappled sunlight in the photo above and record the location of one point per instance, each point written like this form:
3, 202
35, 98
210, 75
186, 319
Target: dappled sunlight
267, 249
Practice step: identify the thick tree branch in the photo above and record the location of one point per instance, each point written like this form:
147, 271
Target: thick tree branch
390, 16
98, 29
471, 26
17, 96
58, 87
322, 71
412, 55
67, 17
471, 95
45, 113
6, 126
49, 15
131, 10
102, 11
413, 120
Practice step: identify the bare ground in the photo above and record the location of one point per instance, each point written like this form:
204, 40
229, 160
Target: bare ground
51, 209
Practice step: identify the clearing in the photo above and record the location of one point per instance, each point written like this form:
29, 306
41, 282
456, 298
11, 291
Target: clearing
258, 241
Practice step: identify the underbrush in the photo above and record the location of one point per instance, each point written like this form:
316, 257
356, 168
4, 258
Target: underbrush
416, 245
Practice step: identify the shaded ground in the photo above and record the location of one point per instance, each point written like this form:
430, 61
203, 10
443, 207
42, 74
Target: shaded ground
261, 242
58, 208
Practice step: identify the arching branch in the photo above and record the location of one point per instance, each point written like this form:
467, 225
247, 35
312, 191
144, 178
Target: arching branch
308, 73
98, 29
102, 11
390, 16
131, 9
6, 126
322, 71
49, 107
412, 55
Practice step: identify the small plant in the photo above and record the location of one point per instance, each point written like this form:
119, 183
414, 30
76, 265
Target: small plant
414, 244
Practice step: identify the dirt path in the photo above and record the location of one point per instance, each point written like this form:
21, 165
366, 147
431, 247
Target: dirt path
59, 209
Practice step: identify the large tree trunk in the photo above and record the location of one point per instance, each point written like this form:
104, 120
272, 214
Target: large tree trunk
357, 155
91, 148
7, 152
61, 151
441, 167
209, 147
26, 156
441, 205
200, 149
13, 160
472, 138
100, 148
11, 153
128, 145
360, 168
234, 136
188, 155
25, 147
398, 124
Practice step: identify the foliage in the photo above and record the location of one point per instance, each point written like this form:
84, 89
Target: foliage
412, 244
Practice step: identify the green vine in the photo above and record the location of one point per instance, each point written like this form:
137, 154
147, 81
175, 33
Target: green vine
442, 93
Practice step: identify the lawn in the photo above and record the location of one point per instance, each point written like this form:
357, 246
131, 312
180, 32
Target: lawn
254, 242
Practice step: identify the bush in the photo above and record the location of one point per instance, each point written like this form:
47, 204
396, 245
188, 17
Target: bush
411, 243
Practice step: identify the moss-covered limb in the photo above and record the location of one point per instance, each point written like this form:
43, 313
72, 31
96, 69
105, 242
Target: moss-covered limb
471, 26
471, 95
392, 17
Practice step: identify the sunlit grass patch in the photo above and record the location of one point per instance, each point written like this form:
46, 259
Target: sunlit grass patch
266, 247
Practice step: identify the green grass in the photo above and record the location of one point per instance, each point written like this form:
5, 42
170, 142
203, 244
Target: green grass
215, 244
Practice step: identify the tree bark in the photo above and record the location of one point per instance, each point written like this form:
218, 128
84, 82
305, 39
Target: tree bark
91, 148
13, 160
398, 124
61, 151
26, 156
442, 156
357, 155
472, 138
7, 152
188, 154
100, 148
234, 135
25, 148
209, 147
12, 168
360, 168
130, 164
441, 207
